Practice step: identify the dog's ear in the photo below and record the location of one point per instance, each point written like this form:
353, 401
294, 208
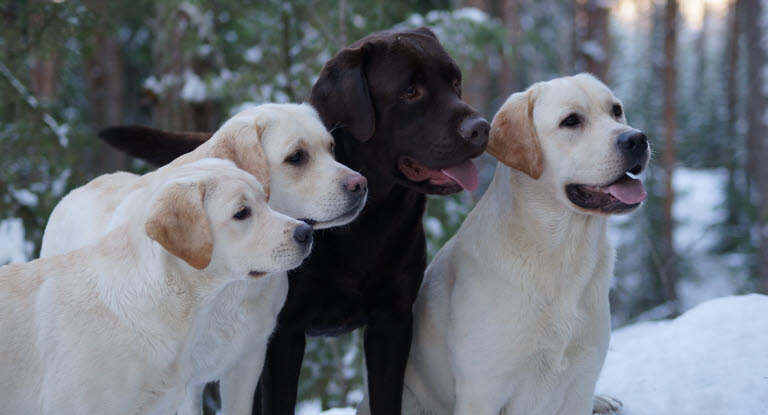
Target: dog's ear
426, 31
178, 222
241, 143
155, 146
341, 94
513, 139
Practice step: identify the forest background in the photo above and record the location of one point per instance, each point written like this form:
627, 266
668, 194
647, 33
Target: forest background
693, 75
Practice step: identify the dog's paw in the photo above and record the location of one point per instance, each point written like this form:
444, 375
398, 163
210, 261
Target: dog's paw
605, 404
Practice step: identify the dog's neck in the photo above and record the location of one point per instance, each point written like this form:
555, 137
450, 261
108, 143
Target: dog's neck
153, 289
202, 151
524, 209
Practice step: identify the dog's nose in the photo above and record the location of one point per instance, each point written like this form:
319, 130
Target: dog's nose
356, 183
303, 234
633, 143
475, 130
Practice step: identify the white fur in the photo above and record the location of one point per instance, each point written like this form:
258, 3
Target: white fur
109, 328
513, 315
230, 345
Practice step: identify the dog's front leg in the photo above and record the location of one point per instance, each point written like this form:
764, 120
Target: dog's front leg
387, 344
280, 377
238, 385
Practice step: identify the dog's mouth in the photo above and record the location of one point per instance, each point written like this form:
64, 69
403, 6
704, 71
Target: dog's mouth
256, 274
463, 174
623, 195
342, 219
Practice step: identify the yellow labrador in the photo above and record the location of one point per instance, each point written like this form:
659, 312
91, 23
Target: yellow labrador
513, 314
286, 143
106, 329
286, 146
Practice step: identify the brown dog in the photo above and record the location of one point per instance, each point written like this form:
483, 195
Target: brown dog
393, 102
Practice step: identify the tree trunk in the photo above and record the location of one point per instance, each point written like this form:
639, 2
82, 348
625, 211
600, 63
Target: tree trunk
104, 88
510, 77
757, 150
342, 24
669, 271
591, 27
737, 188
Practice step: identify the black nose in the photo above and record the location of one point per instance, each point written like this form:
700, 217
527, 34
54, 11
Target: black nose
475, 130
356, 183
633, 144
303, 234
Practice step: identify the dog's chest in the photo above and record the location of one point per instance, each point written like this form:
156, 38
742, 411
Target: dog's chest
348, 277
241, 317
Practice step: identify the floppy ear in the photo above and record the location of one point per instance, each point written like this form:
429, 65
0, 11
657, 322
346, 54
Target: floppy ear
156, 146
241, 143
513, 139
178, 222
341, 93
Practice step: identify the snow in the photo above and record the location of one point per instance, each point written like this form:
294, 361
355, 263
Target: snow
315, 408
253, 54
710, 360
194, 88
60, 130
471, 13
593, 49
703, 191
696, 236
13, 247
23, 196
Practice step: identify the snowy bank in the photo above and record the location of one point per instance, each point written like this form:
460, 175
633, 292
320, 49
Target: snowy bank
711, 360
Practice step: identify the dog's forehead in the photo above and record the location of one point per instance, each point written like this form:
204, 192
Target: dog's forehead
291, 124
414, 51
580, 92
236, 185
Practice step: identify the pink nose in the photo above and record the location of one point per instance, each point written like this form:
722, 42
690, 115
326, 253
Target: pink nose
355, 183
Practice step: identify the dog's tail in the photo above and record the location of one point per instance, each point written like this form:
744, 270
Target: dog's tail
155, 146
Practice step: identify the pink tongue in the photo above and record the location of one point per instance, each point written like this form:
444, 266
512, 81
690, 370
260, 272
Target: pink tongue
465, 174
628, 190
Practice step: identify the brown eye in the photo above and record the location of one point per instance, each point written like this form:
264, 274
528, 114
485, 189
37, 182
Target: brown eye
242, 213
296, 158
617, 110
411, 93
571, 121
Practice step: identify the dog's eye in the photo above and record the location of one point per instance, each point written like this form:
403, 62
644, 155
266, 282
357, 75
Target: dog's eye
571, 121
617, 110
295, 158
411, 93
242, 213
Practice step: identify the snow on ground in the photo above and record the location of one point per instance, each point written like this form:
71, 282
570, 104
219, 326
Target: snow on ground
699, 207
711, 360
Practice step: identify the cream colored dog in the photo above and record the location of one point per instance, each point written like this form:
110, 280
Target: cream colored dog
513, 314
106, 329
285, 142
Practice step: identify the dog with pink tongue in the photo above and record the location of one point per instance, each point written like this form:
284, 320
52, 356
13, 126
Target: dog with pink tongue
513, 314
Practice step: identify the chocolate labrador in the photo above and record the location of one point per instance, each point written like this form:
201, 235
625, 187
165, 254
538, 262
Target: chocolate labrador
393, 103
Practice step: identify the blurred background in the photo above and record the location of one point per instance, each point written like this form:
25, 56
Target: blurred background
693, 74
